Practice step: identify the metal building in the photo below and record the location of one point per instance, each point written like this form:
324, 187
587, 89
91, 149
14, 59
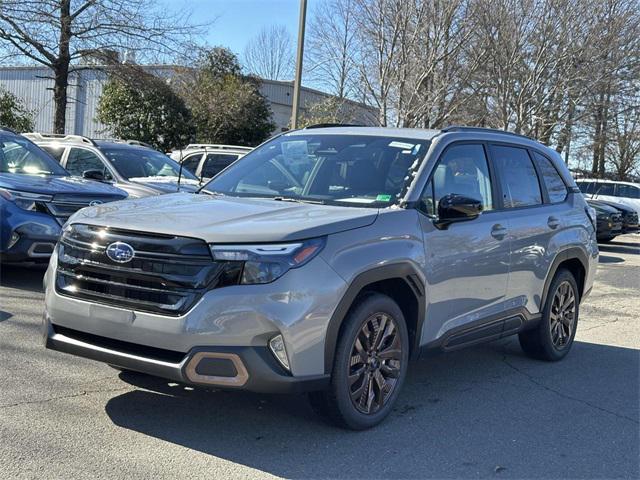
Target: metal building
34, 86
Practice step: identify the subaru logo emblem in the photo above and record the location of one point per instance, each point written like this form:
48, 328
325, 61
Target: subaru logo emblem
95, 202
120, 252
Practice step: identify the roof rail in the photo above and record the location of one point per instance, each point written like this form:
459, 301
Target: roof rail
461, 128
35, 136
191, 146
128, 142
329, 125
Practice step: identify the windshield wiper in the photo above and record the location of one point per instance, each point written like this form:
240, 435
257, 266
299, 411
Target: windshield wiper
297, 200
210, 192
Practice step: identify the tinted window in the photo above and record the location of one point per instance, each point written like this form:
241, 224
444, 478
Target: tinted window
191, 162
604, 189
585, 187
356, 170
518, 178
462, 170
216, 162
138, 162
628, 191
55, 152
555, 185
80, 160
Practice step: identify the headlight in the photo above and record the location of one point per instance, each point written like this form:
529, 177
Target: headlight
24, 200
266, 263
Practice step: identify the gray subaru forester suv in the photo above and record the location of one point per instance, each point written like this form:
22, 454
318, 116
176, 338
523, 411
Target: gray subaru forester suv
326, 259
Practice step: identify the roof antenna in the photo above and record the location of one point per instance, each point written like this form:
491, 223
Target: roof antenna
179, 172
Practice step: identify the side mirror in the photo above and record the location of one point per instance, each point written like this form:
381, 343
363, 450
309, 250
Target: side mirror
93, 175
457, 208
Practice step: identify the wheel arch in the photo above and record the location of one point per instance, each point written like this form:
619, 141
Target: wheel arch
573, 259
401, 282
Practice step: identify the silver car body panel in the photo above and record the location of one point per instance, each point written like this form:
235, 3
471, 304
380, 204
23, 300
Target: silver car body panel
467, 274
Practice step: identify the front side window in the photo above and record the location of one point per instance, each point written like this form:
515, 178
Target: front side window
81, 160
19, 155
556, 189
628, 191
462, 170
216, 162
518, 178
585, 187
355, 170
55, 151
137, 162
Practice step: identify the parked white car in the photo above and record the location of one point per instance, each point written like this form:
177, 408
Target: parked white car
206, 160
625, 193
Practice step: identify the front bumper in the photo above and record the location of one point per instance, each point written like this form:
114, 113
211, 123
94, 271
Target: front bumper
245, 368
37, 235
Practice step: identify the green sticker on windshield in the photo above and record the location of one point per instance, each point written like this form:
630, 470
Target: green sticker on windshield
383, 198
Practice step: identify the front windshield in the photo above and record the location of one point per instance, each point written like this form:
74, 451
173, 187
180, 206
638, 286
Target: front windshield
19, 155
132, 163
354, 170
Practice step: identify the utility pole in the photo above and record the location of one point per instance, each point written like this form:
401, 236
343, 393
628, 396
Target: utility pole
299, 55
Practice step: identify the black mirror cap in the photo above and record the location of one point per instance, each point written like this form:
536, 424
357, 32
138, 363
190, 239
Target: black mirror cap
93, 175
456, 208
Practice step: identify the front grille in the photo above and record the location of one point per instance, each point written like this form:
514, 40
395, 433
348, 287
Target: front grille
63, 206
168, 274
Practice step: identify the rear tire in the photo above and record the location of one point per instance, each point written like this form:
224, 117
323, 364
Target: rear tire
369, 366
553, 337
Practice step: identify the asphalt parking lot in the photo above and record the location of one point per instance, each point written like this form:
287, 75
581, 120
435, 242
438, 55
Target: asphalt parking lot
484, 412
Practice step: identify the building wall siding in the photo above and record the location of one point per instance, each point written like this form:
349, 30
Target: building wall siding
34, 86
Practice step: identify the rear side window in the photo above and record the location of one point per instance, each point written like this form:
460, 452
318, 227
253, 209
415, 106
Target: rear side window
628, 191
604, 189
556, 188
518, 178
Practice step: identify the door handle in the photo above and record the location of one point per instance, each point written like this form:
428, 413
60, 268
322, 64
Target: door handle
498, 231
553, 223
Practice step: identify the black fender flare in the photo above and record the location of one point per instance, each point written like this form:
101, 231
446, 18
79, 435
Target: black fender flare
571, 253
402, 270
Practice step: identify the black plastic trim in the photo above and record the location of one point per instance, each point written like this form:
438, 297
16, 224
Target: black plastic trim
405, 271
562, 256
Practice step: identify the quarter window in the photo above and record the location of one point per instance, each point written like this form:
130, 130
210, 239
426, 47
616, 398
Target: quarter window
518, 178
55, 152
556, 188
462, 170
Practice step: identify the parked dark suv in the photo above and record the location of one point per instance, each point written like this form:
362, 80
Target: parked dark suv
325, 259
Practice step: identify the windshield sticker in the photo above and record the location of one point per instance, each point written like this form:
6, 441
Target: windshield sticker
402, 145
383, 198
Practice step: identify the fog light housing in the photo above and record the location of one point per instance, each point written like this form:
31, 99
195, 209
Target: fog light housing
276, 345
13, 240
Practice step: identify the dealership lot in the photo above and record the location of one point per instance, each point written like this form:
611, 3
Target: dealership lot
484, 412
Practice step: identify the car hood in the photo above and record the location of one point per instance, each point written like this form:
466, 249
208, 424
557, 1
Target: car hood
219, 219
52, 185
167, 184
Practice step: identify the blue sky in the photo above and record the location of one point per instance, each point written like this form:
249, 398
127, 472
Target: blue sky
236, 21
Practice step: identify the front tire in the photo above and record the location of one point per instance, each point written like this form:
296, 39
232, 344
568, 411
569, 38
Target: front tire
552, 339
369, 367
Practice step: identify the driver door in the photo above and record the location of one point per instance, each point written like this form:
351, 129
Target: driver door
467, 263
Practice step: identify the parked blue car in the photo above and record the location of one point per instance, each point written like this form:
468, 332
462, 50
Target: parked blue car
37, 196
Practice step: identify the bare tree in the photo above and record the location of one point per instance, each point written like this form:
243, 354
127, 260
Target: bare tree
270, 54
331, 44
64, 34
